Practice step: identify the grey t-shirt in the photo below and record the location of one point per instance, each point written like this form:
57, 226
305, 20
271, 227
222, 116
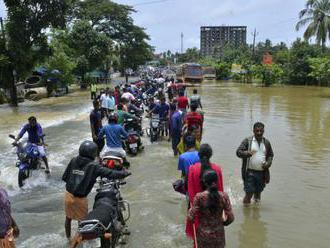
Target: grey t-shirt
196, 99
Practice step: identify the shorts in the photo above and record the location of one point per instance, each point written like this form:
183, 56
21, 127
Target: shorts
254, 181
41, 150
119, 150
76, 208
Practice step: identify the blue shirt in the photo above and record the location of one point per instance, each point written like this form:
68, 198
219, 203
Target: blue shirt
176, 122
113, 135
35, 133
163, 110
155, 107
186, 160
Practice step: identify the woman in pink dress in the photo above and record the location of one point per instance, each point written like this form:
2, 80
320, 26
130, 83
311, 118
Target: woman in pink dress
214, 212
195, 183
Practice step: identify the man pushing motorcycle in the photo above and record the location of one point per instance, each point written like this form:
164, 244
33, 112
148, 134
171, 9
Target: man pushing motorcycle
35, 136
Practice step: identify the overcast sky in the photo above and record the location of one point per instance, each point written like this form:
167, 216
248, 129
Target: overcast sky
164, 20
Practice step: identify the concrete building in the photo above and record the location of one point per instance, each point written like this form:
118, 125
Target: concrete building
213, 39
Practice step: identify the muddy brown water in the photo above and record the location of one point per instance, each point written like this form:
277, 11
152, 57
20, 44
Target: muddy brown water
295, 206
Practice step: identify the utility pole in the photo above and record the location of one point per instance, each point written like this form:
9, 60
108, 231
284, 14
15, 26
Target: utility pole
254, 41
181, 43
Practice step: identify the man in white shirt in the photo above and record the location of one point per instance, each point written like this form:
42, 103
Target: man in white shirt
257, 155
104, 103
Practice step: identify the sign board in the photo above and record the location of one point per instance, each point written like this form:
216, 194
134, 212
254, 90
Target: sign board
267, 59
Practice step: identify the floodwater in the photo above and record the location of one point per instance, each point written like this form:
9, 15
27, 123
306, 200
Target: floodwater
294, 211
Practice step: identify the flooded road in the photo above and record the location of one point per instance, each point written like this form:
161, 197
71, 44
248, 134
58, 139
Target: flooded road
294, 211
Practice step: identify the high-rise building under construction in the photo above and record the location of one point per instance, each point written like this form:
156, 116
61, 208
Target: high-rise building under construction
213, 39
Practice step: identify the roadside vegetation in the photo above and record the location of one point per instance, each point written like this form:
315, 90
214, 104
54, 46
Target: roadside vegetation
72, 36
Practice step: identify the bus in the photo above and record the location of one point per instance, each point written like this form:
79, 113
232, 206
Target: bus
209, 73
189, 72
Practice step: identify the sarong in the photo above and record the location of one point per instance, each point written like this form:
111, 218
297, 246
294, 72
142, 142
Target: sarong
76, 208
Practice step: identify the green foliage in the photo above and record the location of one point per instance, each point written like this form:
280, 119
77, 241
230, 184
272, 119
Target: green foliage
269, 74
316, 16
27, 22
223, 70
320, 69
62, 62
90, 47
298, 66
114, 21
191, 55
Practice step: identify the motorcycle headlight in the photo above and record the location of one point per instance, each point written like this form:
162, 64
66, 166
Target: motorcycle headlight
35, 153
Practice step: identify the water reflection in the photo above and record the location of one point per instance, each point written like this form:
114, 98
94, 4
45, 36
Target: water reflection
253, 231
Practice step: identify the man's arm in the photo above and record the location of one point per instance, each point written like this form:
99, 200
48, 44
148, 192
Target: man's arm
111, 174
269, 155
92, 122
21, 133
242, 150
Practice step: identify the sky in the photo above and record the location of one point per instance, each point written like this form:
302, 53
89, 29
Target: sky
164, 20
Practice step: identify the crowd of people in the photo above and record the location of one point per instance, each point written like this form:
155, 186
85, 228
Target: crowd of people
209, 208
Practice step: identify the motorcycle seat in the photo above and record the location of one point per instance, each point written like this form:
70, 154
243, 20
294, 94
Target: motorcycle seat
112, 155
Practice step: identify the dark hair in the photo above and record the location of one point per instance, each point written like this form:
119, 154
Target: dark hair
258, 125
123, 100
195, 91
205, 153
32, 118
172, 107
125, 89
190, 141
210, 180
120, 106
193, 107
181, 93
95, 103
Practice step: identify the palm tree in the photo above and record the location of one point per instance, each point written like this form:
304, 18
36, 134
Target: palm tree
317, 16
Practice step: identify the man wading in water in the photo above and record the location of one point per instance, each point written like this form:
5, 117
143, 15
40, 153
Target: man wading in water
257, 155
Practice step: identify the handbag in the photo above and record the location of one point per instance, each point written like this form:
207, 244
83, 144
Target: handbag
180, 186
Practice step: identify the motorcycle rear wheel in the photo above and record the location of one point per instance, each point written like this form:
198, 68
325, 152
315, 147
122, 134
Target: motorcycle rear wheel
105, 243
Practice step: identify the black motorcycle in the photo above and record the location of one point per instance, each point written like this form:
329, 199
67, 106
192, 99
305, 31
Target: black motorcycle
154, 131
134, 129
107, 220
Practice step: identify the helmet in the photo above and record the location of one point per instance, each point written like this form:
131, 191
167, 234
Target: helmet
113, 118
88, 149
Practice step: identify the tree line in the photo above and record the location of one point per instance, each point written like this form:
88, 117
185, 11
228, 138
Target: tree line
72, 36
303, 63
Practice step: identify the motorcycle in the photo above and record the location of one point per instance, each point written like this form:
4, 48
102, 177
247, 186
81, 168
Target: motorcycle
28, 160
133, 143
114, 160
154, 131
107, 220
